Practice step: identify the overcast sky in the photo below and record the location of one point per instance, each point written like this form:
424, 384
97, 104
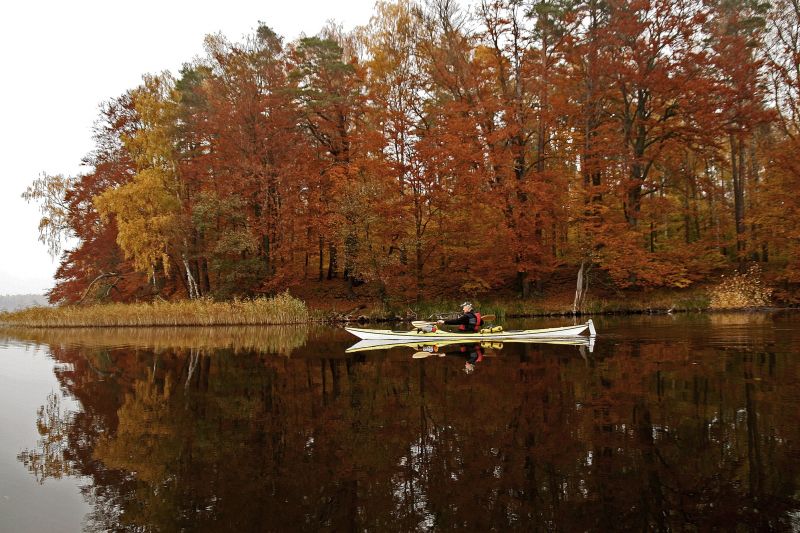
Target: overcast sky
60, 60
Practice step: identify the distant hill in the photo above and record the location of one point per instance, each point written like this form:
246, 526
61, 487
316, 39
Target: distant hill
14, 302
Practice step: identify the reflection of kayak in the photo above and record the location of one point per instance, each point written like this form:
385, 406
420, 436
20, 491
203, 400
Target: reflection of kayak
417, 335
434, 345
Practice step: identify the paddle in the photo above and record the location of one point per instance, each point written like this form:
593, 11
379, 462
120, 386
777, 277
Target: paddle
423, 323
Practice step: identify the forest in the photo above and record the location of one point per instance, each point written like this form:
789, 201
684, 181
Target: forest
447, 148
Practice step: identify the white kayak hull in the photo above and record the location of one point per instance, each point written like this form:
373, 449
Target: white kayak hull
414, 335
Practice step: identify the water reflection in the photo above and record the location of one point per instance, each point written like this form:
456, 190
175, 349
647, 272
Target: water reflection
658, 429
437, 345
281, 340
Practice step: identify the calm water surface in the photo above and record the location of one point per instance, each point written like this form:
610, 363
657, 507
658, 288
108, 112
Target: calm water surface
671, 423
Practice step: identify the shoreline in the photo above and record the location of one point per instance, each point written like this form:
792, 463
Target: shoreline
333, 304
568, 314
45, 320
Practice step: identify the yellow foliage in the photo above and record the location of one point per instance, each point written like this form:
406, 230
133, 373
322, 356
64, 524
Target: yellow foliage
147, 209
741, 291
146, 214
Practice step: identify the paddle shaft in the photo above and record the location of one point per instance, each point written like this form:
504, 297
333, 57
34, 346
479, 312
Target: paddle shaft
422, 323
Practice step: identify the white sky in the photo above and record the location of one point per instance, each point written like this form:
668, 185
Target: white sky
61, 59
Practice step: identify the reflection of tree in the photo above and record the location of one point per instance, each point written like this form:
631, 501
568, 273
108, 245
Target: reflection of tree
140, 442
658, 436
51, 456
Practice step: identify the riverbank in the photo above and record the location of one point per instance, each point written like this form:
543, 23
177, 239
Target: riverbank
287, 309
734, 291
553, 305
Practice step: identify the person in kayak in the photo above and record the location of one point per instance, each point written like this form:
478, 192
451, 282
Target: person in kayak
469, 322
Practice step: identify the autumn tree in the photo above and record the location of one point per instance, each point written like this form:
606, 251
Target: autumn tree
399, 95
737, 28
587, 93
148, 208
93, 267
243, 174
328, 90
527, 43
779, 203
648, 56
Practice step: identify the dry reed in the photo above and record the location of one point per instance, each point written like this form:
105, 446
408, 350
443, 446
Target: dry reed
281, 309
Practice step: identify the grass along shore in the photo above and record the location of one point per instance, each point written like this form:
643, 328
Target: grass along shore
281, 309
745, 291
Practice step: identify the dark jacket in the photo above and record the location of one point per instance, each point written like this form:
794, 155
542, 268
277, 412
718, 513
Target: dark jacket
468, 322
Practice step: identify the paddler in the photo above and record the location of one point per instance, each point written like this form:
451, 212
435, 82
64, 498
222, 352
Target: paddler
469, 322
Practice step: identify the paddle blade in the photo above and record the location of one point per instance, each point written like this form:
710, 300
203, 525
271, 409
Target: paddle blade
421, 355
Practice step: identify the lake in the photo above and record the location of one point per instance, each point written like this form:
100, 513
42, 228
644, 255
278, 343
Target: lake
685, 422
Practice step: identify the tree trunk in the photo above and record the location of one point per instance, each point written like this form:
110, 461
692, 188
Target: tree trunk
191, 284
581, 288
633, 200
332, 266
267, 247
321, 258
652, 237
524, 284
419, 265
205, 276
687, 219
756, 194
737, 167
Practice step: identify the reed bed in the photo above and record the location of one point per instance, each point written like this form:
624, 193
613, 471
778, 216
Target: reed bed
272, 339
281, 309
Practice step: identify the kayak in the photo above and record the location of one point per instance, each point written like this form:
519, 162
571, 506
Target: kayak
417, 335
434, 344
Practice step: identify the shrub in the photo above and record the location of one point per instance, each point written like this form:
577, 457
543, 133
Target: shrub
741, 291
